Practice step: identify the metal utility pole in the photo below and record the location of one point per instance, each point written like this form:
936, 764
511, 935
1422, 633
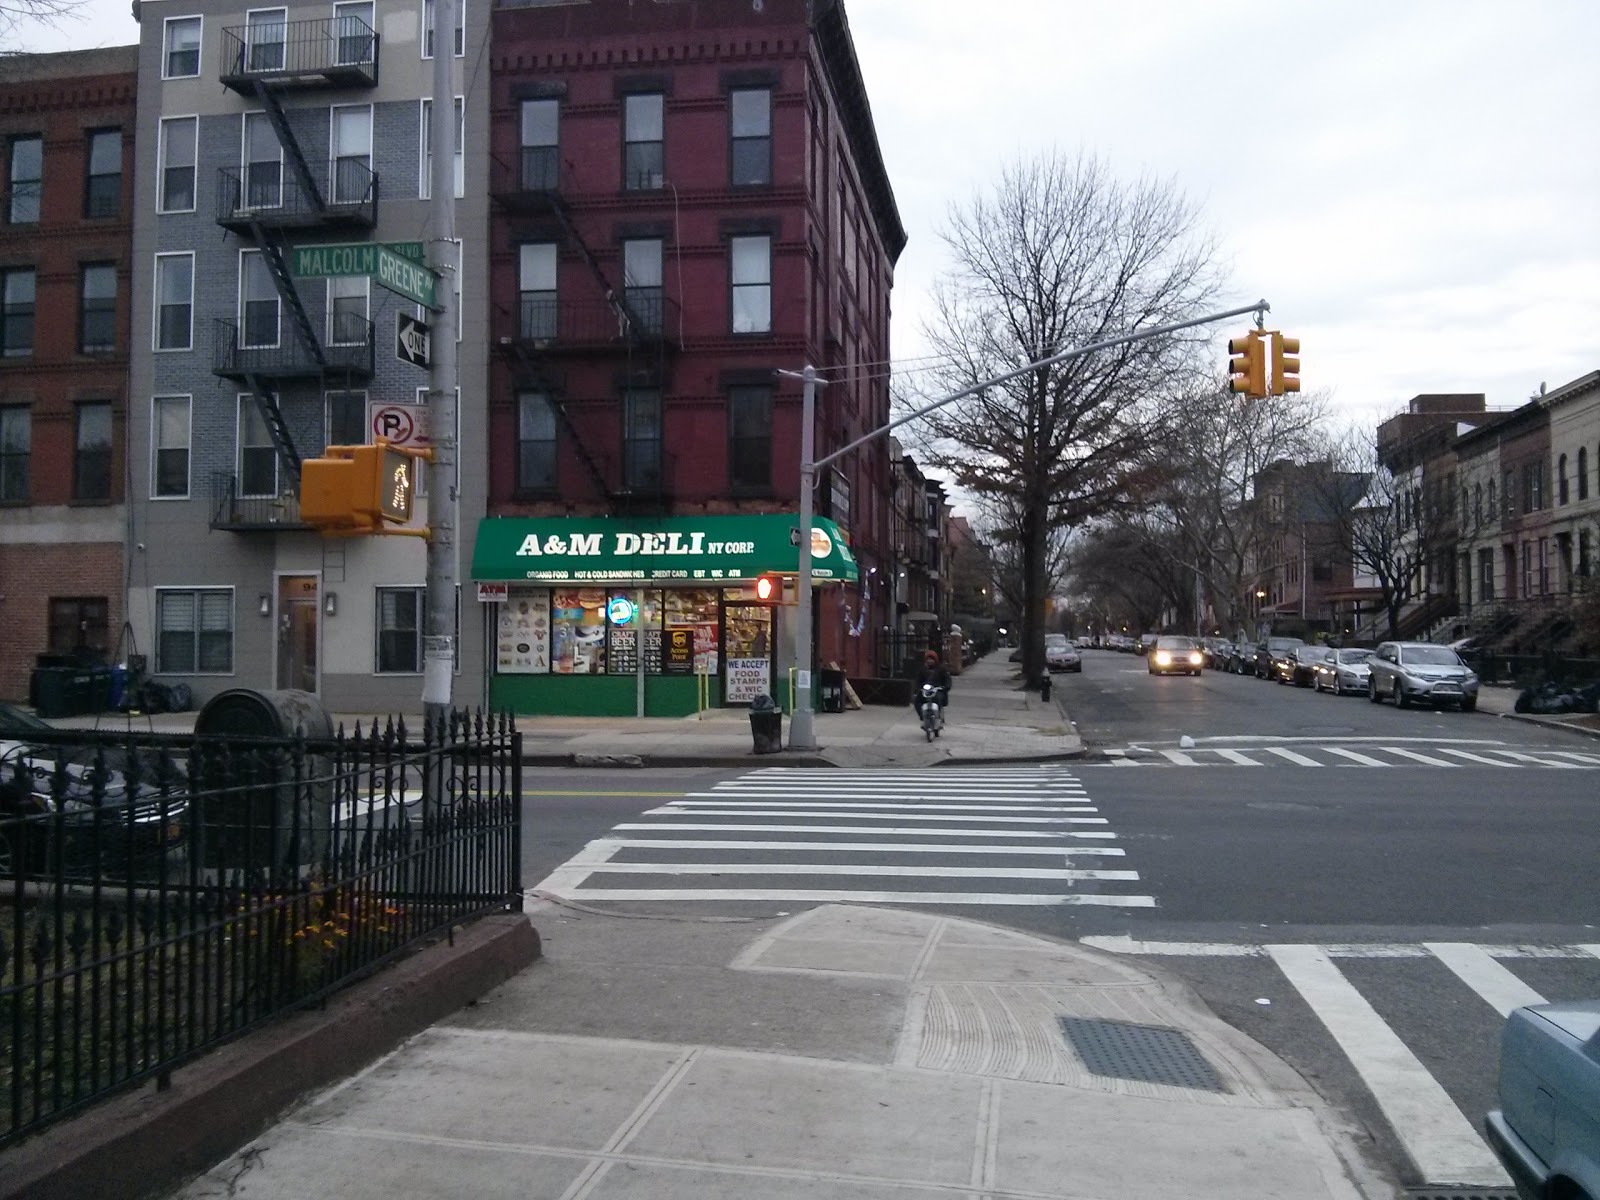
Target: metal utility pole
444, 499
802, 734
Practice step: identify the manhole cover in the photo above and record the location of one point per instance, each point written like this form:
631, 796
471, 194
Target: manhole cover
1144, 1053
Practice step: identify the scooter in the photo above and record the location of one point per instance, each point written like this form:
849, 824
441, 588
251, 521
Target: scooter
932, 710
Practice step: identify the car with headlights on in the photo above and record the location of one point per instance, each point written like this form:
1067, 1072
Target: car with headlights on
1272, 654
1344, 671
1421, 673
1546, 1129
1171, 655
1300, 667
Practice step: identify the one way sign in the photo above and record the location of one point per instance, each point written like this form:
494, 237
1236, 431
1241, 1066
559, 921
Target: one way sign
413, 343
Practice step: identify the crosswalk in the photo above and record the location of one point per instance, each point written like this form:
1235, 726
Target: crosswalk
1360, 752
990, 836
1439, 1135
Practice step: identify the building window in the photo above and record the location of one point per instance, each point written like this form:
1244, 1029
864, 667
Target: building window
750, 121
642, 290
1510, 496
91, 463
16, 312
536, 443
1490, 507
641, 440
400, 622
1544, 566
97, 311
347, 310
353, 31
78, 623
26, 179
352, 153
259, 304
1583, 472
1486, 574
176, 155
263, 162
258, 460
169, 422
643, 150
750, 438
1477, 504
1583, 553
102, 187
1561, 480
182, 51
16, 435
427, 28
1535, 486
536, 270
541, 150
425, 185
194, 631
174, 301
751, 262
346, 419
266, 33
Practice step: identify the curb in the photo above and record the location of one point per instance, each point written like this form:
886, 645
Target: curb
146, 1142
1550, 723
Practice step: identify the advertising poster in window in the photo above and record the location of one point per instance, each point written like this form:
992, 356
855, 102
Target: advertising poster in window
578, 631
695, 610
749, 629
522, 642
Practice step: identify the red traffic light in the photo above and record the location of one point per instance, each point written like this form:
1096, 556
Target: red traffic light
765, 587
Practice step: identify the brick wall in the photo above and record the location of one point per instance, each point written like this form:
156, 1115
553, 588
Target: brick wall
30, 575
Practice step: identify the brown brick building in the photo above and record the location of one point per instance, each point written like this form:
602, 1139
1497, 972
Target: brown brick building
66, 162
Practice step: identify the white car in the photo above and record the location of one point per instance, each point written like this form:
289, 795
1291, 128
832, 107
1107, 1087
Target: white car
1062, 656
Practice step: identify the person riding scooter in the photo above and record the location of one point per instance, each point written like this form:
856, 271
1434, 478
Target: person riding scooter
936, 673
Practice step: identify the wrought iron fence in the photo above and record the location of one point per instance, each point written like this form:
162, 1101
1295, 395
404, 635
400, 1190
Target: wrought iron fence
164, 894
289, 357
1527, 669
341, 50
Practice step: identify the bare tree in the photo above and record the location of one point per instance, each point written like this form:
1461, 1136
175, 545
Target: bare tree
1061, 254
17, 15
1000, 520
1128, 575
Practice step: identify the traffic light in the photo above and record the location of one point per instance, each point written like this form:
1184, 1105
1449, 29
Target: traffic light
1247, 369
358, 489
767, 587
1285, 370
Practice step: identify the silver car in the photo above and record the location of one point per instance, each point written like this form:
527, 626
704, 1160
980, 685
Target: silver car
1344, 671
1421, 672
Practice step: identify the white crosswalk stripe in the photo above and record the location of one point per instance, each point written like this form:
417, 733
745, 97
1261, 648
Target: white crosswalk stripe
1441, 1139
1369, 754
1014, 836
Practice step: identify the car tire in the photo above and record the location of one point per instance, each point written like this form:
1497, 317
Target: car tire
1401, 700
1372, 692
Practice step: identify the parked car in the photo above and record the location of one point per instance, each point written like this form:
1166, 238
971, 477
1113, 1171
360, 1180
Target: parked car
1547, 1128
1216, 652
1421, 672
1274, 648
1243, 659
1300, 668
1344, 671
1147, 642
1061, 655
102, 818
1175, 656
1086, 642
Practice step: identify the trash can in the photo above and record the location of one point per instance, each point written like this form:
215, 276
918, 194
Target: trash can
830, 690
48, 687
766, 725
101, 686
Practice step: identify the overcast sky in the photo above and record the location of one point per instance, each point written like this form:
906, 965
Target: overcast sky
1415, 186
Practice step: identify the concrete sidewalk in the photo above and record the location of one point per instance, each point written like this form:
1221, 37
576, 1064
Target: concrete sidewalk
989, 720
1501, 702
847, 1053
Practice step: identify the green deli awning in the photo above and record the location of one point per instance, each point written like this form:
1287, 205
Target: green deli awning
690, 550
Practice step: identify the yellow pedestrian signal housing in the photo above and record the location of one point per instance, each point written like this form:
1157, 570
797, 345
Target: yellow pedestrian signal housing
1285, 370
359, 489
1247, 369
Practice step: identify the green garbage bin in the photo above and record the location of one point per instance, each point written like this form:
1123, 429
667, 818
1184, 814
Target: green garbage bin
49, 691
100, 684
80, 692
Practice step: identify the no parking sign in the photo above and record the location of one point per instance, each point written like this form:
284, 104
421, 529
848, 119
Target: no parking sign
399, 424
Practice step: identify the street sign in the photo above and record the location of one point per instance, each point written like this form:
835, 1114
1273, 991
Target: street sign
413, 342
397, 266
400, 424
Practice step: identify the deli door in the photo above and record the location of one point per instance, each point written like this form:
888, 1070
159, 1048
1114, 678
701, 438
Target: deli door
747, 653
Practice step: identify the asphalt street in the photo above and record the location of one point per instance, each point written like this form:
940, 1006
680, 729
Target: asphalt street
1298, 859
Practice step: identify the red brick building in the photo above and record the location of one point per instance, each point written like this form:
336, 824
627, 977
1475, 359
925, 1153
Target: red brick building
66, 133
689, 201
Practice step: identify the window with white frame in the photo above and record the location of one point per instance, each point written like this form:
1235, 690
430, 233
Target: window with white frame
259, 303
174, 301
642, 288
425, 184
347, 310
91, 460
536, 271
18, 289
750, 261
644, 154
97, 308
194, 631
354, 40
170, 433
25, 178
176, 154
541, 151
263, 162
460, 8
351, 147
266, 38
536, 443
102, 176
258, 460
750, 136
181, 53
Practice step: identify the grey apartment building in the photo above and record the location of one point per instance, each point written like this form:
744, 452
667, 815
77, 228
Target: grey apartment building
262, 130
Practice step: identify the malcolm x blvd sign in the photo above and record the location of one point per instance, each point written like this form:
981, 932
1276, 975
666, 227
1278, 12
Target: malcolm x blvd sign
392, 266
695, 550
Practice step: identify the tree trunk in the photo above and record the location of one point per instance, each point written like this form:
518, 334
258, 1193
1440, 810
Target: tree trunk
1034, 551
1394, 619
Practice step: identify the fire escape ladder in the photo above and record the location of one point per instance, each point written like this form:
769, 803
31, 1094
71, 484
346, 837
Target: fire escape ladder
290, 144
277, 428
274, 252
531, 370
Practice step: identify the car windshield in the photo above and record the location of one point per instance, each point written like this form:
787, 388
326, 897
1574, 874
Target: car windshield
1283, 643
1314, 653
13, 721
1174, 643
1351, 657
1055, 639
1430, 656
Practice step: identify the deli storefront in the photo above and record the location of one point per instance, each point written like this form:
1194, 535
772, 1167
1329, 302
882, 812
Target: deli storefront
571, 601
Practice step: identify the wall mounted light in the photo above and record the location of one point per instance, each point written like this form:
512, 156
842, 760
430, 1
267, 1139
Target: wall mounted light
330, 604
265, 607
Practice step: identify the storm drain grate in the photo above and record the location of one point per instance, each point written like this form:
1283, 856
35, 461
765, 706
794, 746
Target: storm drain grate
1145, 1053
1461, 1193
